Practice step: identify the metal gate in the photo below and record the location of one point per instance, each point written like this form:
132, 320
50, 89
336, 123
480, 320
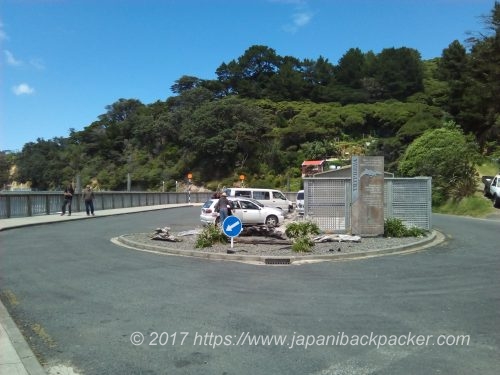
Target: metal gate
328, 202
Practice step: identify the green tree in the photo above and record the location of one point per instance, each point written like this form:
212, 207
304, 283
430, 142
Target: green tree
448, 156
399, 71
350, 69
480, 112
185, 83
43, 163
6, 163
452, 68
221, 137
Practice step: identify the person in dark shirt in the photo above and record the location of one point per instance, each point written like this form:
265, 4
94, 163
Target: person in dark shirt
68, 198
88, 198
223, 206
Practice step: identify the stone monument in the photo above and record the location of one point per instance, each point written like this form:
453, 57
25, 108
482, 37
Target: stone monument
367, 210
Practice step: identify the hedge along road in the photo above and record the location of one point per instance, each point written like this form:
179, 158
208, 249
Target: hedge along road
86, 303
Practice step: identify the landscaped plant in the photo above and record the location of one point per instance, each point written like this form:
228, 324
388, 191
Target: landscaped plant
300, 234
394, 227
210, 235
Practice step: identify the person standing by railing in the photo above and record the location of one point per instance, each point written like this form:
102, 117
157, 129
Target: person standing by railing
68, 198
88, 198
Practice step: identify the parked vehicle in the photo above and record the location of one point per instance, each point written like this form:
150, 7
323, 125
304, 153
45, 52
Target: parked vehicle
495, 191
249, 211
300, 202
487, 182
268, 197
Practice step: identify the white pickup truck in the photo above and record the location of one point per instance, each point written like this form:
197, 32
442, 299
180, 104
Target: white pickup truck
494, 190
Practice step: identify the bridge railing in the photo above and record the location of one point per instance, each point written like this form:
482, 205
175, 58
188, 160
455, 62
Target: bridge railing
28, 203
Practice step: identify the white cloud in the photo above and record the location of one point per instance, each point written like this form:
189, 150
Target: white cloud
298, 20
37, 64
3, 34
11, 60
302, 19
23, 89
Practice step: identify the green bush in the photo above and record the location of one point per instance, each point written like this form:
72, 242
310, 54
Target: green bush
394, 227
299, 233
448, 156
302, 245
210, 235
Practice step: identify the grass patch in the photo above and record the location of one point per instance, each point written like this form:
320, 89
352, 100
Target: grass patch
488, 169
475, 206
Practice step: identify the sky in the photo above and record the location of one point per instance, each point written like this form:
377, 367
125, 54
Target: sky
63, 61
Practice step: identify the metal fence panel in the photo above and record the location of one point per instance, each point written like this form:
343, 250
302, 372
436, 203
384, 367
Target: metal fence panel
328, 202
410, 200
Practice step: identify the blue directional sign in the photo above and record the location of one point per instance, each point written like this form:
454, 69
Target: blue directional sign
232, 226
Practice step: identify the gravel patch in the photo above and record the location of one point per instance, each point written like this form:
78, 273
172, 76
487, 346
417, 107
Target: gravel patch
187, 243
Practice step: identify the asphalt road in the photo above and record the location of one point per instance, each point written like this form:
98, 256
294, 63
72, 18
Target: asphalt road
79, 298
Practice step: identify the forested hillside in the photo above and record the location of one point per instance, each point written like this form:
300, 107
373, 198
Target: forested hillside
266, 113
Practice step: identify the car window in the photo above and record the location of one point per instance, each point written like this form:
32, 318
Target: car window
248, 205
278, 195
262, 195
300, 196
208, 203
260, 204
243, 193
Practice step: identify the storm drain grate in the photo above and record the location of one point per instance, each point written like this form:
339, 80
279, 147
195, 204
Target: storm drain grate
277, 261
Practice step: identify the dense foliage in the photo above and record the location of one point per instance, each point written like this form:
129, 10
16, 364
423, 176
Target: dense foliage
266, 113
449, 157
394, 227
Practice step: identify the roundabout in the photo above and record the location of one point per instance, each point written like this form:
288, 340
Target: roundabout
276, 254
91, 297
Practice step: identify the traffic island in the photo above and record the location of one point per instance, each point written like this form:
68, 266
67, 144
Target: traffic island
267, 254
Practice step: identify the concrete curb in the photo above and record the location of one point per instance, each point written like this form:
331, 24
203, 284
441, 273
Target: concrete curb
16, 355
433, 239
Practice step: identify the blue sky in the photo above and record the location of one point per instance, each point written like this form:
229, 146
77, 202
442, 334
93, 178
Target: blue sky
63, 61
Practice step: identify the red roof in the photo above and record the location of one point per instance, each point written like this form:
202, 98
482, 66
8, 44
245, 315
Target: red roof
313, 162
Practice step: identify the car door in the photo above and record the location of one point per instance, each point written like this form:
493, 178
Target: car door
279, 200
250, 213
237, 211
493, 185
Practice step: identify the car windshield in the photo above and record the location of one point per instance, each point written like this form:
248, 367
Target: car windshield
208, 203
300, 196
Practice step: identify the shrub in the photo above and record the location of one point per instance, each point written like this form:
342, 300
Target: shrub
211, 234
394, 227
302, 245
448, 156
299, 233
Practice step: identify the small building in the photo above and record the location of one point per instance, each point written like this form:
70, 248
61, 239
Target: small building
311, 167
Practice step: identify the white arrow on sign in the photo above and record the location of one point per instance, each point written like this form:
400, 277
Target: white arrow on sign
230, 227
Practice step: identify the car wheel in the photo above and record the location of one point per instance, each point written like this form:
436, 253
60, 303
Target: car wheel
496, 201
272, 221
